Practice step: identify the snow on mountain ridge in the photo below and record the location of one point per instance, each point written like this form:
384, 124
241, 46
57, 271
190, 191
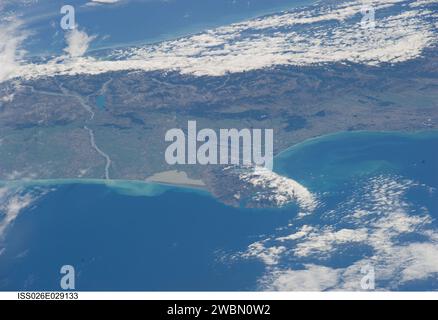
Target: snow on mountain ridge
277, 189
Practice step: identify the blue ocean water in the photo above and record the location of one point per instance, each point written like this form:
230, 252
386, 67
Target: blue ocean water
335, 160
140, 22
183, 239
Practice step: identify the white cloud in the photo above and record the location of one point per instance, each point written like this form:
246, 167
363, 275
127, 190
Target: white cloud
105, 1
77, 42
11, 38
93, 3
314, 35
377, 215
10, 206
269, 256
420, 3
421, 260
312, 278
327, 240
12, 202
303, 232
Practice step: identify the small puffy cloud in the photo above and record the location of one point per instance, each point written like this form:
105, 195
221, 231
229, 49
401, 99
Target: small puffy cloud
269, 256
312, 278
421, 261
77, 42
92, 2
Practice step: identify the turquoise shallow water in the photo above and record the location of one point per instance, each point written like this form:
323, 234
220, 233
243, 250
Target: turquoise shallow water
338, 158
132, 236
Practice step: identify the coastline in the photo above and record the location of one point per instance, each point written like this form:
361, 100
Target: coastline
162, 181
330, 136
175, 177
128, 187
